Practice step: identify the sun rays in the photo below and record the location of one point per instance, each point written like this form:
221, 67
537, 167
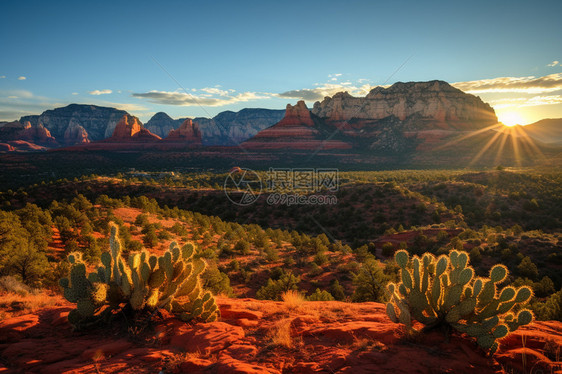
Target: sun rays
501, 143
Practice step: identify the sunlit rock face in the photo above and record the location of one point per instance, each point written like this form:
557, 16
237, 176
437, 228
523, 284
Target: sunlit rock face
299, 129
188, 132
400, 119
130, 128
424, 105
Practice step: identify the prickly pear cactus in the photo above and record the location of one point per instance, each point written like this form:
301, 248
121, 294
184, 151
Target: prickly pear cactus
444, 291
143, 282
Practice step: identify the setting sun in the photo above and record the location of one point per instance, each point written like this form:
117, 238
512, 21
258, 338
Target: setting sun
511, 119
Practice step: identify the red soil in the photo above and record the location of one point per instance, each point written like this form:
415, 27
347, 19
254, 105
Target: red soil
267, 337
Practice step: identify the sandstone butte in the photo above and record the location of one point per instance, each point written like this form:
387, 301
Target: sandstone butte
188, 132
130, 128
254, 336
299, 129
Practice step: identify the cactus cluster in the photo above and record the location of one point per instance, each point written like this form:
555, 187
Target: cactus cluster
444, 290
142, 282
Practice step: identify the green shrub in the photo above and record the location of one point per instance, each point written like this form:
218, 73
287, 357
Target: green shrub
275, 288
370, 282
443, 291
320, 296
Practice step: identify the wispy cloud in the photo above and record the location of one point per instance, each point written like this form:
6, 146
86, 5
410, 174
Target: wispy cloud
100, 92
21, 78
554, 63
2, 76
17, 103
211, 97
526, 101
530, 85
326, 89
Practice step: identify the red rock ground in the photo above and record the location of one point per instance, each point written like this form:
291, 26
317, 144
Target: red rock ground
267, 337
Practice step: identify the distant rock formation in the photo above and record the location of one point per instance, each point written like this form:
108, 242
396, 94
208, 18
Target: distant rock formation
546, 130
297, 130
99, 122
37, 134
435, 104
231, 128
75, 134
161, 124
130, 129
226, 128
401, 119
188, 132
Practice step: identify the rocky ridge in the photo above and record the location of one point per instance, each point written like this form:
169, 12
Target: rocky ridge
435, 104
99, 122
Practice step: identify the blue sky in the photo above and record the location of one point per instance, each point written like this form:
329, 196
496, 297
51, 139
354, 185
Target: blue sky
235, 54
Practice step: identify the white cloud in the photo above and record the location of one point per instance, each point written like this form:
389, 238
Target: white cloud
327, 89
215, 91
22, 78
553, 63
2, 76
23, 94
100, 92
530, 85
75, 93
526, 101
212, 97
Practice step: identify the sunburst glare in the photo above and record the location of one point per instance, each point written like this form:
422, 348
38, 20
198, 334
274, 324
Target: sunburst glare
511, 119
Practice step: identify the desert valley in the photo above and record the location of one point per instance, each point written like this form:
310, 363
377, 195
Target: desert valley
409, 222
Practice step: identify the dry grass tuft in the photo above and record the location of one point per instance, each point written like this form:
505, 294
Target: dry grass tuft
281, 334
12, 304
293, 299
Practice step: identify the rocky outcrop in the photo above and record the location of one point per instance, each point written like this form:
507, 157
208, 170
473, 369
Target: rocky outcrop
435, 104
75, 134
130, 129
36, 134
299, 129
188, 132
161, 124
99, 122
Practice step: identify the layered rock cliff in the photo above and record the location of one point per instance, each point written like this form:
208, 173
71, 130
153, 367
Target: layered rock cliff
99, 122
401, 119
435, 104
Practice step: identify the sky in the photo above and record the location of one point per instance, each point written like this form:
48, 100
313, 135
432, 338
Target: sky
199, 58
